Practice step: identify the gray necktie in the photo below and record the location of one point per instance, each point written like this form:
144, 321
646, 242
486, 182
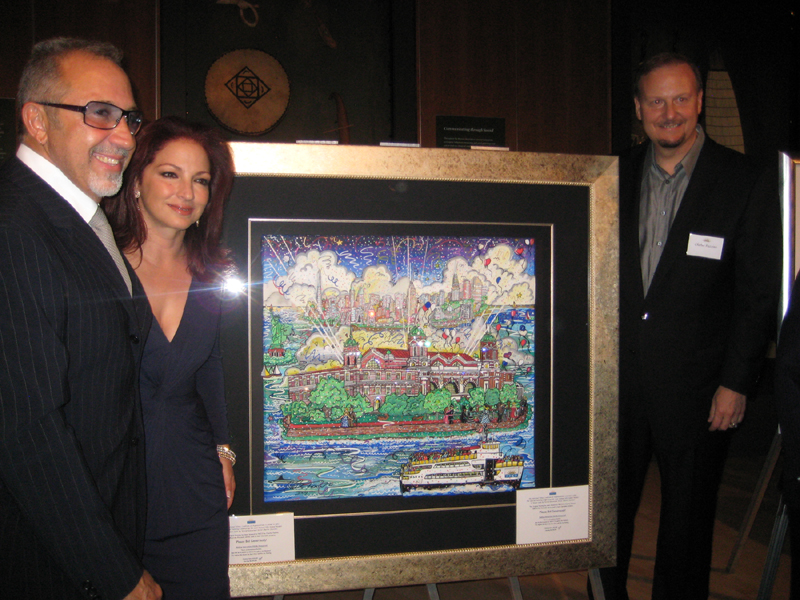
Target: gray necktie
103, 230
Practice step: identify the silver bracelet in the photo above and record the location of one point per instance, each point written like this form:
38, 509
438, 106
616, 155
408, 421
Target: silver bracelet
225, 452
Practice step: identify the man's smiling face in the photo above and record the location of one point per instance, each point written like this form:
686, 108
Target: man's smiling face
669, 106
93, 159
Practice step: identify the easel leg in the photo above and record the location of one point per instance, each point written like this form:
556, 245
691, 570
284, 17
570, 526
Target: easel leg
597, 585
773, 552
755, 500
516, 591
368, 593
433, 591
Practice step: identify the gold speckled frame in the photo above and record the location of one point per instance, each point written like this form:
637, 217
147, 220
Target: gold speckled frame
599, 174
790, 192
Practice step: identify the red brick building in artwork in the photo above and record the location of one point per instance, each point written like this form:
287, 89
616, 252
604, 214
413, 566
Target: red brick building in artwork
412, 371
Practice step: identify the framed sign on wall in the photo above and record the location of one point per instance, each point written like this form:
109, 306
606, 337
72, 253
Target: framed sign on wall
428, 336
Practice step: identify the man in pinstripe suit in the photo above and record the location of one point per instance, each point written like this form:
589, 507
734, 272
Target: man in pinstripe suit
72, 323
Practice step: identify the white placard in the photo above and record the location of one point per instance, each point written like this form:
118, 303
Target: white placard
261, 539
553, 514
705, 246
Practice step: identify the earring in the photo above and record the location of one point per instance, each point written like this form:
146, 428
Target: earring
197, 223
137, 194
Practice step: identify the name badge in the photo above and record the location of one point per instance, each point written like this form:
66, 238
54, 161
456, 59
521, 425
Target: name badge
705, 246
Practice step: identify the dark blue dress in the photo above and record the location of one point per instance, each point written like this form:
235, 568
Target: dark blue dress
183, 403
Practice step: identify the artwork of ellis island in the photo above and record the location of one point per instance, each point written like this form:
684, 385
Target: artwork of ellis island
397, 365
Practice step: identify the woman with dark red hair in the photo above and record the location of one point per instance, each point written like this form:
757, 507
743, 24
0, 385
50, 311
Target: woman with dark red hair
168, 222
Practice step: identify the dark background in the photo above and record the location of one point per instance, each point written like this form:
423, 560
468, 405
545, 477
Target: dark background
559, 73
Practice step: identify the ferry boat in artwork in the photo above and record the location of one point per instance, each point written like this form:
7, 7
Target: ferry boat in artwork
481, 465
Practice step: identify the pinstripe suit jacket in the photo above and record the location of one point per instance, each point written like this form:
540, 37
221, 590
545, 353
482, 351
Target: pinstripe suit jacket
72, 496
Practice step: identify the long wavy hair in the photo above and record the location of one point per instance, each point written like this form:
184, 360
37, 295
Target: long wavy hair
208, 259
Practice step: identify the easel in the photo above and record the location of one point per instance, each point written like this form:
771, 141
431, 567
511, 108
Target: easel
773, 552
755, 500
513, 583
778, 529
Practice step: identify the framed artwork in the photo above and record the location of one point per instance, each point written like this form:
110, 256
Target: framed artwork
426, 335
394, 363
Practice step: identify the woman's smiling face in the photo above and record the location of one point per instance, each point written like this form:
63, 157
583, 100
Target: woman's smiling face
175, 187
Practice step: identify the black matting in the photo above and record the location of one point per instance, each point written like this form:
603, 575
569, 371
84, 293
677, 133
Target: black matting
365, 526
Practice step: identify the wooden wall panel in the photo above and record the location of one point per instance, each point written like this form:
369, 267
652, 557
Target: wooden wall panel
466, 63
543, 66
16, 38
129, 24
564, 85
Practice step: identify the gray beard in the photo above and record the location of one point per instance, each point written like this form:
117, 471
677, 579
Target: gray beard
105, 186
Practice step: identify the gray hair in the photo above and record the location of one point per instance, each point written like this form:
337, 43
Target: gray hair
41, 77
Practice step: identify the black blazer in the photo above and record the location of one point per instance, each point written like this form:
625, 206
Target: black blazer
704, 322
72, 497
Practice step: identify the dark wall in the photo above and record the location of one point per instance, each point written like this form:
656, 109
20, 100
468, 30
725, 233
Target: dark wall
358, 68
558, 72
542, 66
130, 24
757, 43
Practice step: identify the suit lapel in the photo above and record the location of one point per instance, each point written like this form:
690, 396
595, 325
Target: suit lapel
700, 188
139, 306
77, 233
630, 184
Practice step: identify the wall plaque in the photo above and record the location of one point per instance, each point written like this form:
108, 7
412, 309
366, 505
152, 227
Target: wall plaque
247, 91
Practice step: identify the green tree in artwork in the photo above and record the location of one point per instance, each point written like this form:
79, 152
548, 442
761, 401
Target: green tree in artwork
316, 416
492, 397
476, 398
437, 400
296, 410
359, 404
395, 406
329, 394
508, 394
416, 406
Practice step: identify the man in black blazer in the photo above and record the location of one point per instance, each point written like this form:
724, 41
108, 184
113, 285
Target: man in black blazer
699, 277
71, 333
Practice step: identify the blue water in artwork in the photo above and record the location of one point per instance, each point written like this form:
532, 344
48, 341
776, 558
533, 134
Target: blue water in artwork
306, 470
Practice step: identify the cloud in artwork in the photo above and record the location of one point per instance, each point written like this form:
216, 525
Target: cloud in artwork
320, 349
499, 270
313, 274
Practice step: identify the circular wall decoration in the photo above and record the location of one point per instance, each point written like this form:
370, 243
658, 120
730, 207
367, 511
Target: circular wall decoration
247, 91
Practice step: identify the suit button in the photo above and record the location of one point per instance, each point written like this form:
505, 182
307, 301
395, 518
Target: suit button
645, 316
134, 338
134, 441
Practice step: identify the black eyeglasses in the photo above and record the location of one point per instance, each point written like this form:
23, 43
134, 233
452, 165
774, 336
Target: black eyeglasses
102, 115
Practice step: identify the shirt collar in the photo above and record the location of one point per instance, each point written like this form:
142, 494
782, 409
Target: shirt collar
687, 163
55, 178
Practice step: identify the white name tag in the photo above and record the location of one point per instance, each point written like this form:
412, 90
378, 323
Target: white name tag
705, 245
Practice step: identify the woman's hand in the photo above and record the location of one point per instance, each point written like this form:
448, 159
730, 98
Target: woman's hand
230, 480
